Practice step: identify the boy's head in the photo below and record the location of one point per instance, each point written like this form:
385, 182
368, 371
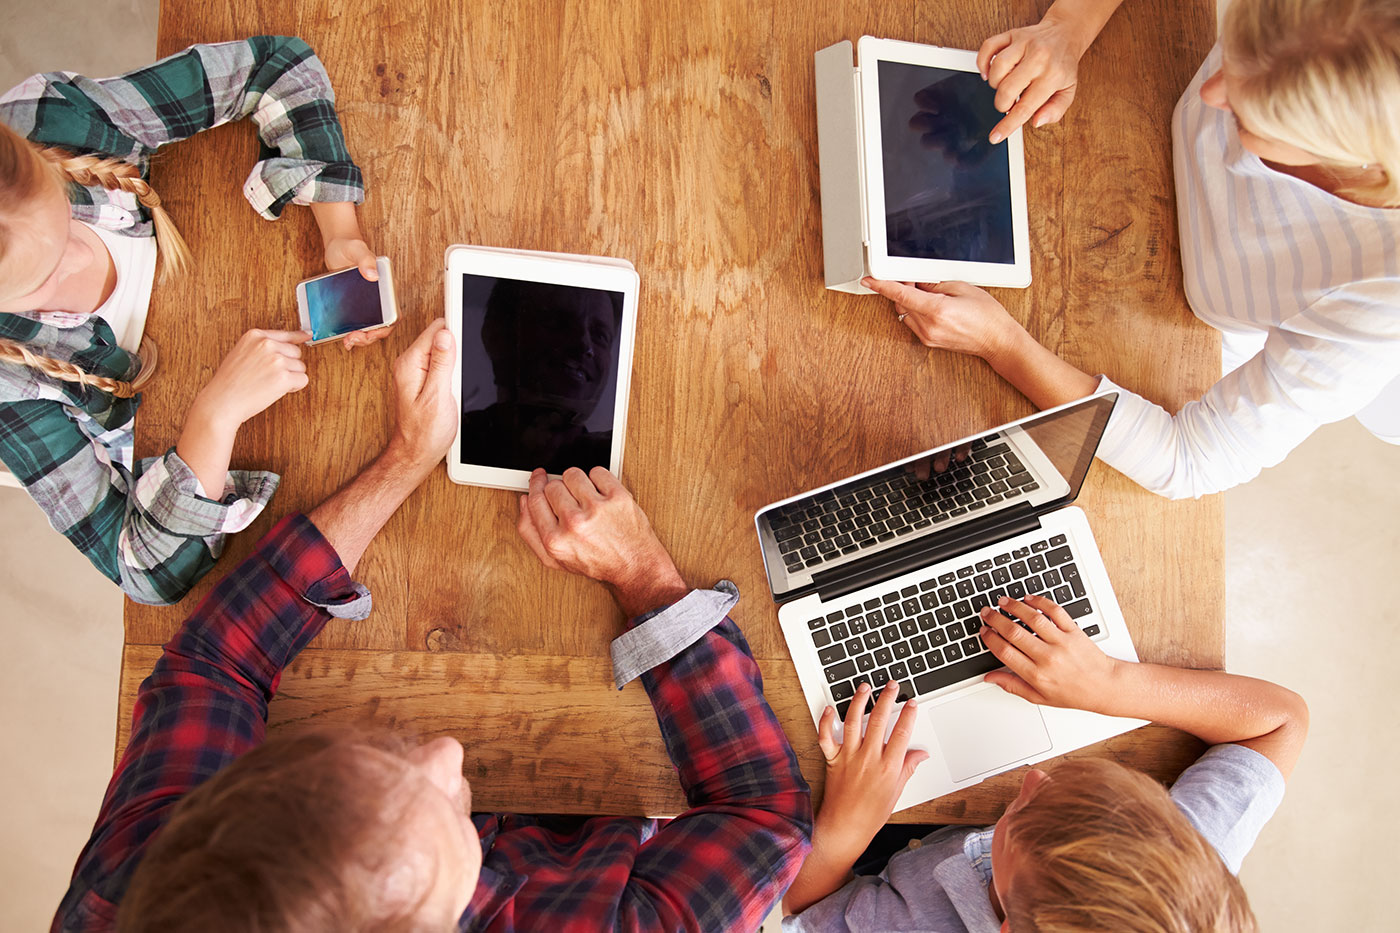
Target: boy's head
326, 830
1097, 846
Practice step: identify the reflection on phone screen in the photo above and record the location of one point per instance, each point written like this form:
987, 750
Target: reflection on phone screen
341, 303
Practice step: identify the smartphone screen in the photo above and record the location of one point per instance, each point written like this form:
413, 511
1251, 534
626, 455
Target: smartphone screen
341, 303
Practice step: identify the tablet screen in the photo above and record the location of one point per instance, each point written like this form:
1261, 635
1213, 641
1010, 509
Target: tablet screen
539, 373
947, 189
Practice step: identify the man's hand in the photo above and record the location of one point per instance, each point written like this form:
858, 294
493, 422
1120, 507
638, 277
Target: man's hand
587, 523
426, 410
1057, 666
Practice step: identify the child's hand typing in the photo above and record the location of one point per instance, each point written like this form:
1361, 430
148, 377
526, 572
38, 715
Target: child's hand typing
865, 775
1057, 666
864, 778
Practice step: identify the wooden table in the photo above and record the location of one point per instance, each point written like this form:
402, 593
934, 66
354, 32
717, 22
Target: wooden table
684, 139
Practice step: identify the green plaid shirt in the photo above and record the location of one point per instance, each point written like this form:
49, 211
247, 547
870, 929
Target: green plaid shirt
145, 524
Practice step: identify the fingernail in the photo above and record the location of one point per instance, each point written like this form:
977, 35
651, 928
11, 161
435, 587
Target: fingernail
983, 611
1003, 601
863, 686
996, 137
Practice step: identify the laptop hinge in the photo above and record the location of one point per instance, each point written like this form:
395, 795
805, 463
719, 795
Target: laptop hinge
839, 581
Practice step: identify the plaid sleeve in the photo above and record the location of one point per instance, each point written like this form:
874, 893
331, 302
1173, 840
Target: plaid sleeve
205, 703
724, 863
276, 80
147, 526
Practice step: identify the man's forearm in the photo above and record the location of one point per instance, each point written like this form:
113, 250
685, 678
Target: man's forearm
1214, 706
353, 516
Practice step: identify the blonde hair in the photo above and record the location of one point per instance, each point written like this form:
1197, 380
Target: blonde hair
1324, 76
1103, 848
26, 169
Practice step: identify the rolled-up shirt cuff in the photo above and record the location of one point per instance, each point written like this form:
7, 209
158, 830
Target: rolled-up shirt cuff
171, 495
659, 636
309, 564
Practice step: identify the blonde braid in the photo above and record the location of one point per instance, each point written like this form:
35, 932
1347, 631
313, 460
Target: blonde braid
116, 174
13, 352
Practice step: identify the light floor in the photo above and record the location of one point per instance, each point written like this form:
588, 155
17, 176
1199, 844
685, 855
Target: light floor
1311, 549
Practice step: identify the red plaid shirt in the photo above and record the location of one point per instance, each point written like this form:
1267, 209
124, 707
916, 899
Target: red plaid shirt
720, 865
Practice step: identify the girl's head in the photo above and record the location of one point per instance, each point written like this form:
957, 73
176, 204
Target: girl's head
1095, 846
41, 245
1317, 82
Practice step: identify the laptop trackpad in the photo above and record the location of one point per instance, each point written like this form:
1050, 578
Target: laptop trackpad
987, 731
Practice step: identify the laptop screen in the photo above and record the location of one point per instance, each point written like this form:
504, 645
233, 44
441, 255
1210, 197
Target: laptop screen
1030, 466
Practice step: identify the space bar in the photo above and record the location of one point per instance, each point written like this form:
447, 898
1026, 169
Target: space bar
953, 673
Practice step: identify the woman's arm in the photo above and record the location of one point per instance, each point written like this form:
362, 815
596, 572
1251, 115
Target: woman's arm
1035, 69
1059, 665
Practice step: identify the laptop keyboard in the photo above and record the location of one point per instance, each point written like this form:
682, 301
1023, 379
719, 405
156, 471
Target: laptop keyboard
882, 508
924, 636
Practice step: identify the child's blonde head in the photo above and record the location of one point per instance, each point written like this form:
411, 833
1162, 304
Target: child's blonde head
1322, 76
1100, 847
27, 174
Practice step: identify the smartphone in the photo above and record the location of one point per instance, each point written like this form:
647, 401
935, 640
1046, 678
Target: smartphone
339, 303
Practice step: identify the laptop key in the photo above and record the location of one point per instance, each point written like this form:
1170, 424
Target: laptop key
936, 637
955, 631
952, 653
865, 662
902, 650
910, 606
884, 657
947, 594
917, 664
832, 654
934, 658
820, 638
1001, 559
1091, 630
854, 646
979, 602
963, 608
927, 623
879, 677
1034, 585
858, 626
1039, 546
944, 615
1016, 589
838, 629
909, 628
966, 588
1078, 608
872, 640
983, 565
1051, 578
1001, 576
1059, 556
1062, 595
899, 671
1057, 540
872, 604
1021, 553
951, 673
890, 634
972, 646
983, 582
928, 601
843, 671
894, 612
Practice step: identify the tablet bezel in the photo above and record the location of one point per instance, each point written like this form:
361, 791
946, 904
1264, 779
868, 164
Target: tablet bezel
552, 268
902, 268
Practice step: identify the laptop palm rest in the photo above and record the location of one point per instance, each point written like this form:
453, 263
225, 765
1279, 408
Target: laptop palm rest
987, 731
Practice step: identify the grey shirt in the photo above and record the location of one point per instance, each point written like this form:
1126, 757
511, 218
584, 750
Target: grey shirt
1228, 795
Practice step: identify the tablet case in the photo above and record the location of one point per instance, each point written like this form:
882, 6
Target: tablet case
841, 168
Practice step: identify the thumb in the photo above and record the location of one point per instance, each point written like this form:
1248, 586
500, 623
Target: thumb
369, 267
442, 357
1054, 108
912, 759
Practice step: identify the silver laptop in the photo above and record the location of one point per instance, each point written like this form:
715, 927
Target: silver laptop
881, 577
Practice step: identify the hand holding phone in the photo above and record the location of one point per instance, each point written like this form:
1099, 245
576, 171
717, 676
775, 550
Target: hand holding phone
346, 304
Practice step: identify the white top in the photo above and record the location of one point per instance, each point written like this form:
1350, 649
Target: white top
1303, 281
125, 309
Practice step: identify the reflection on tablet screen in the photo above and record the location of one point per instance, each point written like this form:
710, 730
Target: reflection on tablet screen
540, 382
947, 189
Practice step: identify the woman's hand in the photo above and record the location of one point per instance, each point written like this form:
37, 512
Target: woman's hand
1057, 666
263, 366
1035, 70
950, 315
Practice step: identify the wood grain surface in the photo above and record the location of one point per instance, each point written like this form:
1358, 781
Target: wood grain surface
680, 136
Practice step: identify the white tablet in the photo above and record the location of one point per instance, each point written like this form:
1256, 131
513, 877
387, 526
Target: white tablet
544, 362
905, 154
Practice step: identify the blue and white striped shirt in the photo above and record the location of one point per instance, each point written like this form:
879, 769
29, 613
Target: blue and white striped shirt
1306, 289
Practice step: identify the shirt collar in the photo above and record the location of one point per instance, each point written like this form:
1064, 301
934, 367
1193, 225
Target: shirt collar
977, 846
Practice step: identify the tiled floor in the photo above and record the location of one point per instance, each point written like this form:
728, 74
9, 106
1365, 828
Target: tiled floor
1311, 549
